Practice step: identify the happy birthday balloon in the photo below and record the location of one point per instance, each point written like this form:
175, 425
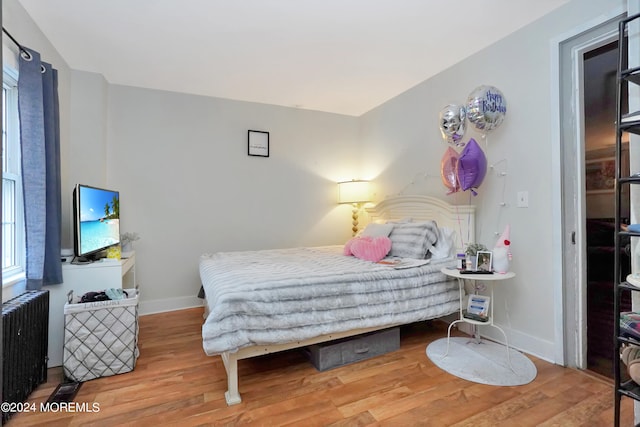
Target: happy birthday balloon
486, 108
452, 123
448, 170
472, 166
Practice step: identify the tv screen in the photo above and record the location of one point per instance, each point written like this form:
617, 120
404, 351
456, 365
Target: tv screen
96, 220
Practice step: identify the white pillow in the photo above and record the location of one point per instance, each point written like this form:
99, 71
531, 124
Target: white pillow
445, 247
377, 230
413, 239
401, 220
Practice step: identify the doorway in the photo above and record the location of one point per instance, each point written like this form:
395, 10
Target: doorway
584, 109
599, 88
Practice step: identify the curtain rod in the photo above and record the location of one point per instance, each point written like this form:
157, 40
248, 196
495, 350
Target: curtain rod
26, 52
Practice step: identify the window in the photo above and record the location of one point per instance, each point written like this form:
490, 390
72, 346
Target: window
13, 238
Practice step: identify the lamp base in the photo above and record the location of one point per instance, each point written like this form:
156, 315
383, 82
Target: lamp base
354, 217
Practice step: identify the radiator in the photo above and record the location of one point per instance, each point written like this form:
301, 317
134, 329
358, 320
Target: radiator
25, 324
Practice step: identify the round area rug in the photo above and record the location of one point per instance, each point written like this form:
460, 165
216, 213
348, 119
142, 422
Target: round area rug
484, 363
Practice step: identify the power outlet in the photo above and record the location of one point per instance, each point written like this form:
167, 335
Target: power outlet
523, 199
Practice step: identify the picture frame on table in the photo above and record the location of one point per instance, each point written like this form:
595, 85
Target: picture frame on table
484, 261
258, 143
477, 307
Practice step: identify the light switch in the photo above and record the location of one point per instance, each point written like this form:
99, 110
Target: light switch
523, 199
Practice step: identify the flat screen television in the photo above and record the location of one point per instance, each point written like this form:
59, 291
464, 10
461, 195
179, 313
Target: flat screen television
96, 224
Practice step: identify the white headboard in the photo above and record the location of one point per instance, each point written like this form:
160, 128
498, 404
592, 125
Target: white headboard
460, 218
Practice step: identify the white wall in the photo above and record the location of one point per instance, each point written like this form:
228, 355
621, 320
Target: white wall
188, 187
88, 140
403, 144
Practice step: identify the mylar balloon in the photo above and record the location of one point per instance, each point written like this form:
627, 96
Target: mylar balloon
448, 170
472, 166
452, 123
486, 108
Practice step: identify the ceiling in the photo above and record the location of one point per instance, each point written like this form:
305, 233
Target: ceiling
341, 56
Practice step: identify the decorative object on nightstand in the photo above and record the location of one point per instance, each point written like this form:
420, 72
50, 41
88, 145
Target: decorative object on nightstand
127, 239
477, 308
357, 193
484, 261
472, 251
502, 252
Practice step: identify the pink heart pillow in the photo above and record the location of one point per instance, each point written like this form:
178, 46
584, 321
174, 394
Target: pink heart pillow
370, 248
347, 246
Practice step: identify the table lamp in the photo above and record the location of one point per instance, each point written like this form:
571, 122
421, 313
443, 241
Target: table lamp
355, 192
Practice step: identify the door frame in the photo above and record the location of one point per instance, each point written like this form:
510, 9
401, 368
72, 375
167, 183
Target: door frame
568, 190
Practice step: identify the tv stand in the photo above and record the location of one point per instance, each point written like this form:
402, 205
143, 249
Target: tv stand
94, 276
88, 259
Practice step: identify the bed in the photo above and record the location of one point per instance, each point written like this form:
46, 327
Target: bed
260, 302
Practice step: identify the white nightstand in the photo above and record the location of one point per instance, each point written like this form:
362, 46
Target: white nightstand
489, 278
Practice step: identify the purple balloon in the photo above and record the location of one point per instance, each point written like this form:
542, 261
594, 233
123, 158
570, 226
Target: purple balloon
472, 166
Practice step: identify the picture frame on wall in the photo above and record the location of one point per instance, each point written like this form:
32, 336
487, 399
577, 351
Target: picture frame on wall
600, 175
258, 143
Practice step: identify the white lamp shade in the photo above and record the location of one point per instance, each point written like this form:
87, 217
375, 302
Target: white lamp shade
354, 192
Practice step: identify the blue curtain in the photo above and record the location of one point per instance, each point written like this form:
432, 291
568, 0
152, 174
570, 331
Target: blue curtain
40, 145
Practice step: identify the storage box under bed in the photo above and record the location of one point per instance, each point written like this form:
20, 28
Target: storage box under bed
341, 352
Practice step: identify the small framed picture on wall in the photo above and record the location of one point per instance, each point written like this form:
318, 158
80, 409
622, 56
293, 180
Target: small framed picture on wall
258, 143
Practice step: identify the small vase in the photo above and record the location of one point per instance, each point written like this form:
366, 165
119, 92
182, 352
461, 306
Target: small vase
471, 262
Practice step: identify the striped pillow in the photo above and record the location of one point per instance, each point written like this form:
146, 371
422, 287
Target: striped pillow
413, 239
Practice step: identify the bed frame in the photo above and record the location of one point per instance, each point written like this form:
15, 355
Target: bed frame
459, 218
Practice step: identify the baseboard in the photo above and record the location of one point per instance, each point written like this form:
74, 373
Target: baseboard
168, 304
517, 340
535, 346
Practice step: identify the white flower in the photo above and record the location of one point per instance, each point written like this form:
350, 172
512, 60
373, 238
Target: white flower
129, 237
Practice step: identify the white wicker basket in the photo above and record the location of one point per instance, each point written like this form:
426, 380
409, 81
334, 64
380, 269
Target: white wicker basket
100, 338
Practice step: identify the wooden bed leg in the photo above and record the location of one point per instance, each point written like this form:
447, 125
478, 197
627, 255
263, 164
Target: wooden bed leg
232, 396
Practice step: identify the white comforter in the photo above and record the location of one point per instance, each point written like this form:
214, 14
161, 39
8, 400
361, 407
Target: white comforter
285, 295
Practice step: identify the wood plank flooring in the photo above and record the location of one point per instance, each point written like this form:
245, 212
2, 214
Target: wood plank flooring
175, 383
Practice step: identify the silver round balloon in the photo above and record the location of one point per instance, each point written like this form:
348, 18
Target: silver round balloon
452, 124
486, 108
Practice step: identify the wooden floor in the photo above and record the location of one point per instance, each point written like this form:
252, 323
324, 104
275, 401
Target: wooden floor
174, 383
